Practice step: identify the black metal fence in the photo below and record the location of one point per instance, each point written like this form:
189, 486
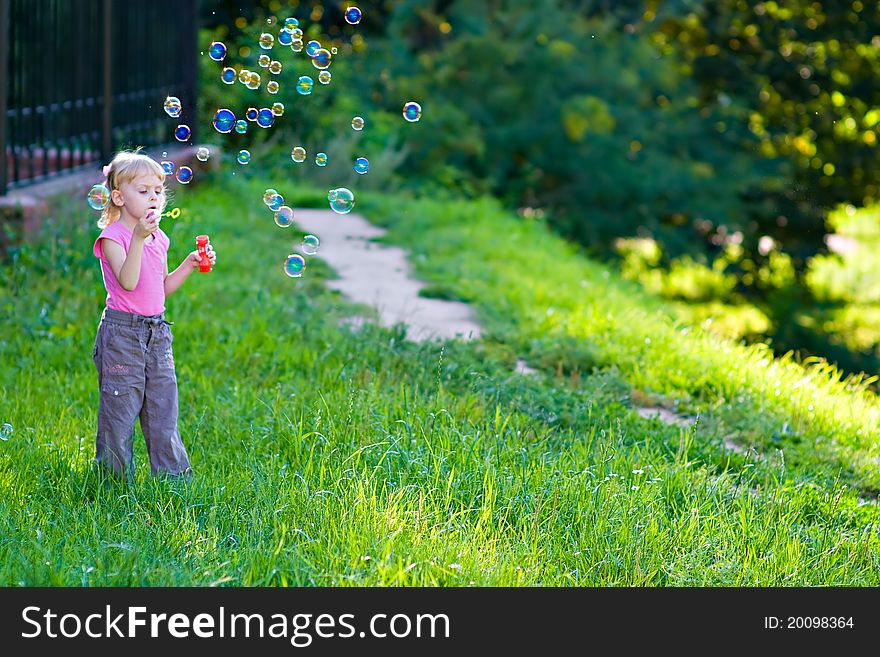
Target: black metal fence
80, 79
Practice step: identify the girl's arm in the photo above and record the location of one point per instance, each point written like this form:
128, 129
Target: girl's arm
126, 267
176, 279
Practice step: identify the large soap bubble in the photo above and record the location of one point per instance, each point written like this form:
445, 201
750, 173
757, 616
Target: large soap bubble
412, 111
224, 121
172, 106
352, 15
304, 85
217, 51
184, 175
284, 216
342, 201
295, 265
310, 244
99, 197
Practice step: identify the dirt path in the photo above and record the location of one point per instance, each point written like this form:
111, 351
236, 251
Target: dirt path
380, 276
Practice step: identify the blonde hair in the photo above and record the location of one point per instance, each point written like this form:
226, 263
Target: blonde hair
125, 167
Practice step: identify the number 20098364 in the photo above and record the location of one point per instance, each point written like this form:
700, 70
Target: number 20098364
808, 622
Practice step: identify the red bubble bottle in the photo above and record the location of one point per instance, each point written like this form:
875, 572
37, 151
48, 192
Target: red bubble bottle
202, 246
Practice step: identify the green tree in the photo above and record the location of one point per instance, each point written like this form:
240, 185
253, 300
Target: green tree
806, 72
548, 107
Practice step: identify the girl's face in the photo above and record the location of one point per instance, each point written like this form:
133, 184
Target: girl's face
143, 193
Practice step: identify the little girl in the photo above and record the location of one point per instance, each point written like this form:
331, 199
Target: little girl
133, 347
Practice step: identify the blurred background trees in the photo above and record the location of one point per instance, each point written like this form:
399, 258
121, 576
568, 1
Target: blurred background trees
705, 146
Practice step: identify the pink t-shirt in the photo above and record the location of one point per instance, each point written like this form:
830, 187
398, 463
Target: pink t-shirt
148, 296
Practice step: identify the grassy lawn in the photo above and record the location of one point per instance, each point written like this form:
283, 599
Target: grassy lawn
328, 456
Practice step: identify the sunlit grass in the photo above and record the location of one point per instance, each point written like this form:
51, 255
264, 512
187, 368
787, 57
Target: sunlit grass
528, 281
330, 457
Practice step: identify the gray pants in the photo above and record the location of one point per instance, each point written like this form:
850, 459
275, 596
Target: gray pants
137, 379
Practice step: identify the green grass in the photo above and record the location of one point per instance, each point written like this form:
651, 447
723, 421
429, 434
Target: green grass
535, 290
328, 456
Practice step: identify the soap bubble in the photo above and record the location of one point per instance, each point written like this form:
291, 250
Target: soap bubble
322, 59
203, 154
297, 33
277, 109
263, 60
217, 51
284, 216
296, 45
304, 85
269, 195
343, 201
182, 132
266, 41
228, 75
285, 37
172, 106
324, 77
361, 165
352, 15
6, 431
98, 197
265, 118
184, 175
251, 114
244, 75
310, 244
290, 23
312, 47
274, 67
244, 157
253, 81
295, 265
412, 112
333, 50
270, 20
332, 194
276, 203
167, 167
224, 121
272, 87
321, 159
357, 123
241, 126
298, 154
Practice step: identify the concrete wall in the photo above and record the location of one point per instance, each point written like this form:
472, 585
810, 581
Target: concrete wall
22, 210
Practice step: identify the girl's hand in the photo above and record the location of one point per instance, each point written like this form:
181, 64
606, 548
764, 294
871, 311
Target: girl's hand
147, 225
195, 259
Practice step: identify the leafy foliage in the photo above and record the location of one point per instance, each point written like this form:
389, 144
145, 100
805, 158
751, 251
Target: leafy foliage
706, 128
805, 72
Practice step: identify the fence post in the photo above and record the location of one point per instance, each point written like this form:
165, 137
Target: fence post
4, 90
107, 122
190, 50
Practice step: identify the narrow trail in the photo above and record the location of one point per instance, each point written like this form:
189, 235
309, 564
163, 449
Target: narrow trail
380, 276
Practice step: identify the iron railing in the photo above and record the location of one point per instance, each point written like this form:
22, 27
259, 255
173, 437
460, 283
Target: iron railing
80, 79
